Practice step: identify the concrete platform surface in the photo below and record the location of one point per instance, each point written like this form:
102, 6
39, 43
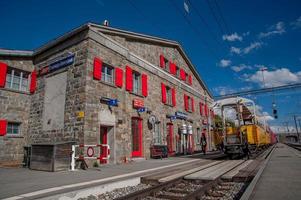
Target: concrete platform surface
281, 177
229, 175
214, 172
22, 182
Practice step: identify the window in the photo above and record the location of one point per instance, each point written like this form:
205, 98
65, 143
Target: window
167, 67
177, 71
107, 74
168, 96
13, 128
17, 80
136, 83
189, 105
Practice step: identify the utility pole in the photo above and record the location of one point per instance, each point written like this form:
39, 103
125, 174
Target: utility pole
296, 128
299, 120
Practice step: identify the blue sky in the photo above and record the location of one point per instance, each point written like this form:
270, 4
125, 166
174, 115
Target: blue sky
228, 41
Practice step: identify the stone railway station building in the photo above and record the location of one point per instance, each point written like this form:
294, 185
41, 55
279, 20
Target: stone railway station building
101, 85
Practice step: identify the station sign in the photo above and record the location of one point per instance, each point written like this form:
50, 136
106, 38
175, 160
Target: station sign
58, 64
138, 103
141, 109
109, 101
180, 115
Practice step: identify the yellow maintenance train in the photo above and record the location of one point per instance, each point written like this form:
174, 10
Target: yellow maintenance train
245, 127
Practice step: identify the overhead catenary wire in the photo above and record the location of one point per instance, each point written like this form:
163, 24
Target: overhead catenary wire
196, 31
211, 32
221, 28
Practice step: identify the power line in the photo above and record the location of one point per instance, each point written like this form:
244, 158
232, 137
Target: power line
194, 29
223, 32
212, 34
222, 17
258, 91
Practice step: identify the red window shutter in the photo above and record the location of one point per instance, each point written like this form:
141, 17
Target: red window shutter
182, 74
118, 77
186, 102
173, 94
3, 71
206, 110
201, 109
129, 78
3, 126
163, 90
144, 84
172, 68
33, 82
97, 68
192, 104
190, 79
162, 61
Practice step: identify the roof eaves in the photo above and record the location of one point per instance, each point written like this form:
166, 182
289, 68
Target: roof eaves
10, 52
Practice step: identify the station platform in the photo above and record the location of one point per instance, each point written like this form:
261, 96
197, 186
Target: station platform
19, 183
281, 177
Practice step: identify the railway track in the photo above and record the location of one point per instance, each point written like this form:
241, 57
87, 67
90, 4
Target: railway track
181, 189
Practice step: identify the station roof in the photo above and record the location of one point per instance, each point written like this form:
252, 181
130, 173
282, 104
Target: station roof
107, 29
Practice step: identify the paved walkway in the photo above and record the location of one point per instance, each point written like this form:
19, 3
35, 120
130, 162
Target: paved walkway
18, 182
281, 178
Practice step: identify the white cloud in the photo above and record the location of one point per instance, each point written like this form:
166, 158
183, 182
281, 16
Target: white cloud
224, 63
277, 29
222, 90
275, 78
246, 50
267, 116
296, 24
235, 50
241, 67
254, 45
233, 37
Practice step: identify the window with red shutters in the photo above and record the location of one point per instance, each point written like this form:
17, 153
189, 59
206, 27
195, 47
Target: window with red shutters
190, 80
118, 77
192, 104
97, 68
144, 85
163, 92
3, 71
3, 127
183, 74
201, 109
172, 68
162, 61
33, 82
129, 78
186, 102
173, 94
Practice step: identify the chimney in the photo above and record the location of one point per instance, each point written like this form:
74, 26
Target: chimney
106, 23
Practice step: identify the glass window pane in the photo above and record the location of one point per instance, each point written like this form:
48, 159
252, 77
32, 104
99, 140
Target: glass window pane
16, 82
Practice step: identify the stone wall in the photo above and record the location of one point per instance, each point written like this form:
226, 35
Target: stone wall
14, 108
74, 96
125, 111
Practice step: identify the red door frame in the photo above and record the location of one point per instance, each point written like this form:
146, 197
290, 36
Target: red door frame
137, 153
169, 139
104, 140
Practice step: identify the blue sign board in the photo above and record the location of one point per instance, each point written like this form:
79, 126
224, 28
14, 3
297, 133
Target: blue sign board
181, 115
62, 63
173, 117
143, 109
112, 102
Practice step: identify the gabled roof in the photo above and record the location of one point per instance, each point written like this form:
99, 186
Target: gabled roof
106, 29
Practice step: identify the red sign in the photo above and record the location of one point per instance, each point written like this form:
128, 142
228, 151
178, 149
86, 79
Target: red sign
138, 103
